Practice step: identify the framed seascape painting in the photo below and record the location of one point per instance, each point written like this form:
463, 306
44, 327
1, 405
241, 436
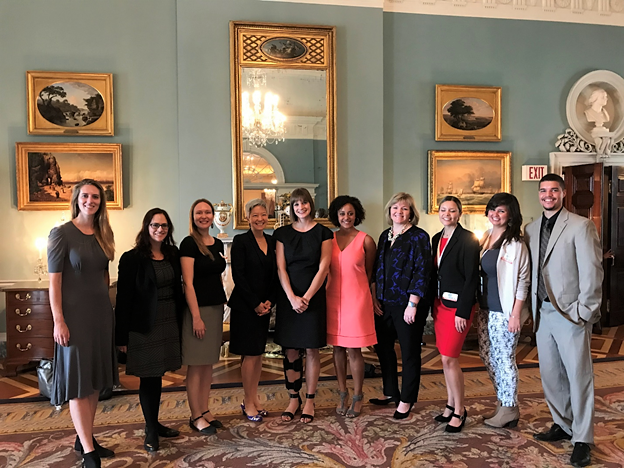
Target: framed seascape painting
47, 172
63, 103
468, 113
471, 176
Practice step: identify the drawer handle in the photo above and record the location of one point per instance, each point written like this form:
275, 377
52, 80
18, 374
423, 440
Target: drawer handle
19, 298
19, 329
19, 346
18, 312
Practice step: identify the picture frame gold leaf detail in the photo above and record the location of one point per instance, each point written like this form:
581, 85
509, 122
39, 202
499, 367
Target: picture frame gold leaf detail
471, 176
468, 113
47, 172
67, 103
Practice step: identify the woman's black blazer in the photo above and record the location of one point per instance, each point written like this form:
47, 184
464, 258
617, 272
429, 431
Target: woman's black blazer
137, 295
458, 272
254, 274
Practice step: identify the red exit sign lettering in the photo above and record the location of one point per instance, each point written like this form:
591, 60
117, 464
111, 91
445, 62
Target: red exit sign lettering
532, 172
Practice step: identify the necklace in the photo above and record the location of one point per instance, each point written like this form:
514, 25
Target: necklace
392, 237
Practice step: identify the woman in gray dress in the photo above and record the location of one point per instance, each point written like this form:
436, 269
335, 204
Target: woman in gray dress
148, 315
84, 355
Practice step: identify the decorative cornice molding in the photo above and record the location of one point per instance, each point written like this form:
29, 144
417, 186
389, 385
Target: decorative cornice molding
603, 12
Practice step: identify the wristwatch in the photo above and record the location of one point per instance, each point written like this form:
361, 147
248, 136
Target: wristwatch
411, 304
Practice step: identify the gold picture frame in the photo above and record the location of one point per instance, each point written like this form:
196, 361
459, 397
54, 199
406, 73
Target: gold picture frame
66, 103
468, 113
471, 176
47, 172
284, 58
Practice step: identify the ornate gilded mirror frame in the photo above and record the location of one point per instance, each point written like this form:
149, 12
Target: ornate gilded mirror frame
277, 47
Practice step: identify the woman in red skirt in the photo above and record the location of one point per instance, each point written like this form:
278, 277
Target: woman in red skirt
454, 284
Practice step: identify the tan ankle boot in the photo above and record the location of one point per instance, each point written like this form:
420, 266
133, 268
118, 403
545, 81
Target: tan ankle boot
507, 416
491, 415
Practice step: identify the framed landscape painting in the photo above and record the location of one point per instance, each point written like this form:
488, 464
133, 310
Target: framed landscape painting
471, 176
62, 103
468, 113
47, 172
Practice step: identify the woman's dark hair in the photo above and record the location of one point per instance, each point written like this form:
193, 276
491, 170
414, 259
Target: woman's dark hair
142, 243
514, 225
342, 200
453, 199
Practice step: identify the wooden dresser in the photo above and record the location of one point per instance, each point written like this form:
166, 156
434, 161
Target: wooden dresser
29, 324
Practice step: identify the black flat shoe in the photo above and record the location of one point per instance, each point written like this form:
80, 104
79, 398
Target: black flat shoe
151, 442
384, 401
554, 434
581, 455
215, 422
101, 451
398, 415
208, 430
454, 429
444, 419
164, 431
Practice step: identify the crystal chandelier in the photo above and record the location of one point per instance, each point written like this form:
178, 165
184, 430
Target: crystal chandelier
262, 123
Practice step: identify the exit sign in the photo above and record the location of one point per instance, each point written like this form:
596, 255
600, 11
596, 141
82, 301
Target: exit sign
532, 172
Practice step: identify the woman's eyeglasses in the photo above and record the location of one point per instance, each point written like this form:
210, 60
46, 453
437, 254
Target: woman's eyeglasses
155, 226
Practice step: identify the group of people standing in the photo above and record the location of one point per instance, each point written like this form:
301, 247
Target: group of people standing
336, 288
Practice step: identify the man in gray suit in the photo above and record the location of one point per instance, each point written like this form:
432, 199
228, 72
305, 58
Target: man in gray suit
566, 295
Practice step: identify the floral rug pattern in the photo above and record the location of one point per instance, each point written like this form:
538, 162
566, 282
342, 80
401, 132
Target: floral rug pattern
374, 439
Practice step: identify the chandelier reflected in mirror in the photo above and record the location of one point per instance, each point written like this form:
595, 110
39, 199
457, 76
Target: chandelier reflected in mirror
262, 122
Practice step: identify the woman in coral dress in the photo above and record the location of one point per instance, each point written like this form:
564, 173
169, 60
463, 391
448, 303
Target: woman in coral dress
350, 316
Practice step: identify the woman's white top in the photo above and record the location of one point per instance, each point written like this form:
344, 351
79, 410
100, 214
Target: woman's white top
513, 273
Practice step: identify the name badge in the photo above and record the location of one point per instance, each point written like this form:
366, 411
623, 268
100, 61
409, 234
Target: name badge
450, 296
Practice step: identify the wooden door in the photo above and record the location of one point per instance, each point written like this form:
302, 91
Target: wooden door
613, 240
584, 192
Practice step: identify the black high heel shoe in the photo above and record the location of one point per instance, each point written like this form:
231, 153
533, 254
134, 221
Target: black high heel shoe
102, 452
398, 415
444, 419
454, 429
151, 442
91, 460
208, 430
384, 401
214, 423
308, 417
288, 414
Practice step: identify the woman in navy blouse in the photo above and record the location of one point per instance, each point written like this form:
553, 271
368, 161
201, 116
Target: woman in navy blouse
402, 271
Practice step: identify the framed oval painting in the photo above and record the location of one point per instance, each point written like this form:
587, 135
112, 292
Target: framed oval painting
63, 103
468, 113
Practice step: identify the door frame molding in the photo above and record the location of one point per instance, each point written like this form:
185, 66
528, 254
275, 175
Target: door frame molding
559, 159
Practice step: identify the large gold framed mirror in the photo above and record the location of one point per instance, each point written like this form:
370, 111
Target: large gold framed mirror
283, 85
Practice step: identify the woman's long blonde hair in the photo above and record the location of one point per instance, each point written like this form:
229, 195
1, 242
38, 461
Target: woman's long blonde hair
194, 231
101, 226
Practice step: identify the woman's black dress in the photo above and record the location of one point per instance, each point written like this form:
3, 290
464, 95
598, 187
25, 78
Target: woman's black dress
302, 251
255, 281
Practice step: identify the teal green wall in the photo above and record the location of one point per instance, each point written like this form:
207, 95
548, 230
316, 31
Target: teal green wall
204, 95
535, 63
170, 60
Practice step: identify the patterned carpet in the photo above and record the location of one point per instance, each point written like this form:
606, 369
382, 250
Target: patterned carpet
36, 435
608, 345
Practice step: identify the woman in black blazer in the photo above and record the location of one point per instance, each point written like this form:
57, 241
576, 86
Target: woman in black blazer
254, 272
148, 315
453, 286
